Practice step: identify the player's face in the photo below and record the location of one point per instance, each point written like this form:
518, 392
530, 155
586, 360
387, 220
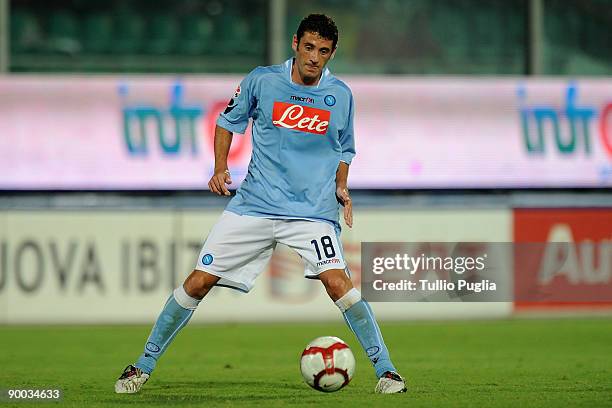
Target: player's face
312, 53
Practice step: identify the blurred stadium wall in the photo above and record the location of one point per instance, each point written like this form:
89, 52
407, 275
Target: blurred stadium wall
476, 121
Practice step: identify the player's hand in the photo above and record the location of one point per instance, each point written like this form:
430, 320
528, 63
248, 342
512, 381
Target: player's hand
218, 181
345, 199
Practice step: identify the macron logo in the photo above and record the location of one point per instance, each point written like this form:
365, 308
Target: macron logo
306, 99
302, 118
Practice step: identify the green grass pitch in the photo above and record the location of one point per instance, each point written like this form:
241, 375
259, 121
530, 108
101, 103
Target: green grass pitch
512, 363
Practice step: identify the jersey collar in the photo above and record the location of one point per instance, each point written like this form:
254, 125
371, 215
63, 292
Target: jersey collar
324, 75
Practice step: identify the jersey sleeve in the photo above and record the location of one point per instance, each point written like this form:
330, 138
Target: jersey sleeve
347, 136
235, 117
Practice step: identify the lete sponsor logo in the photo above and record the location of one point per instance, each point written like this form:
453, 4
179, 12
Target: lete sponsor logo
302, 118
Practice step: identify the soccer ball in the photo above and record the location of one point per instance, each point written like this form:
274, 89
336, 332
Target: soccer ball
327, 364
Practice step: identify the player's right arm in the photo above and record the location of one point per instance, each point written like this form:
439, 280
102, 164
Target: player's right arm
234, 119
221, 176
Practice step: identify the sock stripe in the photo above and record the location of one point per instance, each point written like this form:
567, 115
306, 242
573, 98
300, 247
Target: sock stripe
360, 319
180, 326
171, 320
378, 332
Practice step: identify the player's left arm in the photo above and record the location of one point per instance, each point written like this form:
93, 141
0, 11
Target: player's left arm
221, 175
347, 142
342, 192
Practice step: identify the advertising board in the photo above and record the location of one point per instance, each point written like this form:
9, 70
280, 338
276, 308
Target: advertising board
156, 133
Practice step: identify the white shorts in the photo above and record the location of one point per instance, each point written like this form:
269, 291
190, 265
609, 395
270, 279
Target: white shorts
239, 247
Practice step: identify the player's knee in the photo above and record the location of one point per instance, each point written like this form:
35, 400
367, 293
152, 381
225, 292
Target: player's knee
337, 285
199, 283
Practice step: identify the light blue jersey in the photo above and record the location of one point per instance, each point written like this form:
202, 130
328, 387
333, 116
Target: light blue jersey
300, 135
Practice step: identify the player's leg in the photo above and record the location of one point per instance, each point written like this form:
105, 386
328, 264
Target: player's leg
360, 319
319, 246
175, 314
234, 254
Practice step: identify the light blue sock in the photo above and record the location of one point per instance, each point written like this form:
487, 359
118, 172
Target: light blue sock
362, 322
176, 313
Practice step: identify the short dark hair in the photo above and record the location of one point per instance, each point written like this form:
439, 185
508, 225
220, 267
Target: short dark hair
319, 24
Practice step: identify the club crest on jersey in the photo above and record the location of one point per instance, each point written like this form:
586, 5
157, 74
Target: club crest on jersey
302, 118
330, 100
232, 103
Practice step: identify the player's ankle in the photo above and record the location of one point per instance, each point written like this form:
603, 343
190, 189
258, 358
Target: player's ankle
146, 363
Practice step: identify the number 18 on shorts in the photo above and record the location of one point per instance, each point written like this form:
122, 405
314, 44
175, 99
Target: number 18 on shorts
239, 247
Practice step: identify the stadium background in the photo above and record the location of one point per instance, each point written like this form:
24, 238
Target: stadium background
484, 121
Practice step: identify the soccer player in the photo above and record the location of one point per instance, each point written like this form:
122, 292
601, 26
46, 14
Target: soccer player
303, 145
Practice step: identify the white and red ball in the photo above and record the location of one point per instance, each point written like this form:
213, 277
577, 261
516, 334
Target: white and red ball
327, 364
